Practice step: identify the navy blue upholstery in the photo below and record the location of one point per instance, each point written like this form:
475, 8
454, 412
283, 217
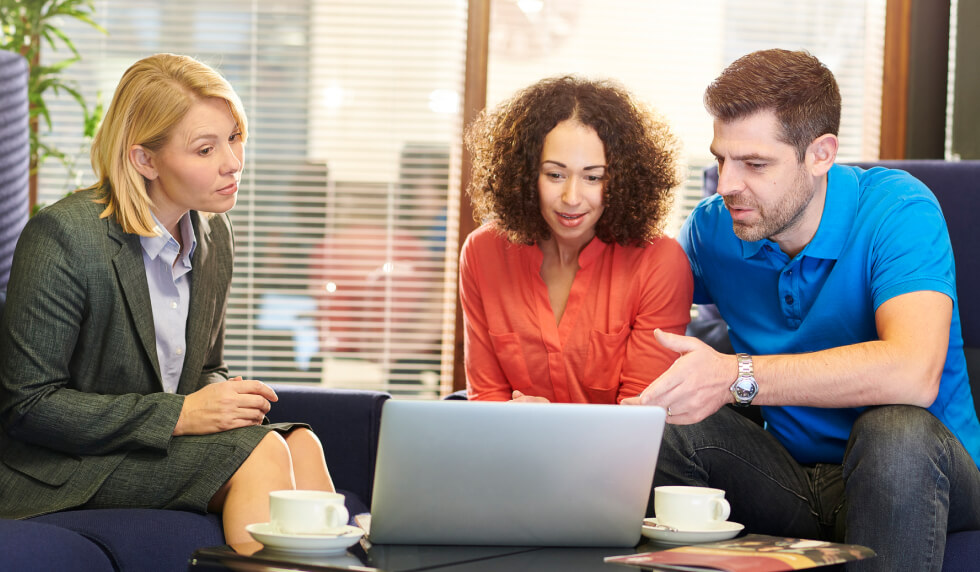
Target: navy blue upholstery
141, 539
962, 552
458, 395
149, 540
956, 185
40, 546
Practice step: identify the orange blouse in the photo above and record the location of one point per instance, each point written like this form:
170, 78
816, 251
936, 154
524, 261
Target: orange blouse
602, 351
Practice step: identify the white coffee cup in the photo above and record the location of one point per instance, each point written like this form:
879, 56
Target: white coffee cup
690, 508
307, 512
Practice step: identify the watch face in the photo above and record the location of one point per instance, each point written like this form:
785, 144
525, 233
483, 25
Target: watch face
745, 389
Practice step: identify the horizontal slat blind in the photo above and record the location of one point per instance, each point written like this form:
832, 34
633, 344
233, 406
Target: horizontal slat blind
341, 224
344, 273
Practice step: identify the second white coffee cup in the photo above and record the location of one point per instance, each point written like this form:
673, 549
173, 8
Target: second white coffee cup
307, 512
690, 508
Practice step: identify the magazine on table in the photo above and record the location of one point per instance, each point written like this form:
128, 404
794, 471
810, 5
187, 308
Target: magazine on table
750, 553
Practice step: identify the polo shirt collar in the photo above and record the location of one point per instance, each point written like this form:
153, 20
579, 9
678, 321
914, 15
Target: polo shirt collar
839, 210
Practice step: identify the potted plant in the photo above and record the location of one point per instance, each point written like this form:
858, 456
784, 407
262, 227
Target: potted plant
26, 25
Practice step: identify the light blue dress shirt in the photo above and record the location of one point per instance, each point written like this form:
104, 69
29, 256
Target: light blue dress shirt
168, 276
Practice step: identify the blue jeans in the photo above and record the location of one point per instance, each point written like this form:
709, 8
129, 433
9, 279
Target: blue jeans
892, 493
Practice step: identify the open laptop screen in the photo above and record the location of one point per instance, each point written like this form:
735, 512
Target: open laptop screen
513, 474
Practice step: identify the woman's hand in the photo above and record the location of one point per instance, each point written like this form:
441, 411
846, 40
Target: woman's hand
225, 405
519, 397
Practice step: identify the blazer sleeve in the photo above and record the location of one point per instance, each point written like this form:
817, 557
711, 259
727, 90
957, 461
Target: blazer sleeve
58, 387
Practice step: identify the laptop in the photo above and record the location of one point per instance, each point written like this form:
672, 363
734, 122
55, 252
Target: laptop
513, 474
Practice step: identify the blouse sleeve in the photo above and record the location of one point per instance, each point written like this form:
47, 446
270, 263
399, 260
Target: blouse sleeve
485, 380
665, 288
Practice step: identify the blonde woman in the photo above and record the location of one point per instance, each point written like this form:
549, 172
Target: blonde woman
113, 387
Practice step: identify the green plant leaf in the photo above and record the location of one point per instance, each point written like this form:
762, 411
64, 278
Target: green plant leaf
24, 26
64, 38
55, 68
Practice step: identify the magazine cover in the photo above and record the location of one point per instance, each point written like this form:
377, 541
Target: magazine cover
750, 553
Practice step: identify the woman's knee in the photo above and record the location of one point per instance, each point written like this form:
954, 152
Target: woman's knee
270, 455
303, 440
269, 463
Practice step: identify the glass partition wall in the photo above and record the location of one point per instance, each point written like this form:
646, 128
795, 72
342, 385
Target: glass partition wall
354, 109
346, 224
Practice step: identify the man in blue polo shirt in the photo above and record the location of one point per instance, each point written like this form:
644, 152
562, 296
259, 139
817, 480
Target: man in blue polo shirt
838, 287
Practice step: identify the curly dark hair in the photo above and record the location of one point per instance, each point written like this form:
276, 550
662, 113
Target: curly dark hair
641, 156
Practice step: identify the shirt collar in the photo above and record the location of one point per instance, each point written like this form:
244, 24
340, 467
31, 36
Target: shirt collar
154, 245
589, 254
839, 210
840, 206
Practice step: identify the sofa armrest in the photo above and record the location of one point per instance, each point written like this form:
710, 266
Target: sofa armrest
347, 422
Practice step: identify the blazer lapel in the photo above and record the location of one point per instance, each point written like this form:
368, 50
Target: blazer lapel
201, 312
131, 273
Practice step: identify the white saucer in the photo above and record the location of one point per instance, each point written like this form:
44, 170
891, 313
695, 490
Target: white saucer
718, 531
276, 541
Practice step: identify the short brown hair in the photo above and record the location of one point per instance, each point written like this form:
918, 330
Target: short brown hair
796, 86
506, 145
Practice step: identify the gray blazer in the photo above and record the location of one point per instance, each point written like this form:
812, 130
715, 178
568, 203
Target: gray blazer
80, 383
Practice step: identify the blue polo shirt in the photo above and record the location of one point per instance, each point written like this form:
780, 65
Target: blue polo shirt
881, 234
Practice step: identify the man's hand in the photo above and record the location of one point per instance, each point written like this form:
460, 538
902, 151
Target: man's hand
224, 405
519, 397
695, 386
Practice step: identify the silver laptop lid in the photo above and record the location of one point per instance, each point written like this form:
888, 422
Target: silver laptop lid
513, 474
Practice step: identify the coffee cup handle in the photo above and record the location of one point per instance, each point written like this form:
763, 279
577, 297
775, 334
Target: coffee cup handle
723, 509
341, 510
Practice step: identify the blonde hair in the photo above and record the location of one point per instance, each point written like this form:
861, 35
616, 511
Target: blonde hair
151, 99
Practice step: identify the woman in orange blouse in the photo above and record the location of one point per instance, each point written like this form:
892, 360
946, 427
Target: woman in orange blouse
565, 283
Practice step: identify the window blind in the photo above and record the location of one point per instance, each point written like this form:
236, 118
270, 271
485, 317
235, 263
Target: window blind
341, 272
344, 274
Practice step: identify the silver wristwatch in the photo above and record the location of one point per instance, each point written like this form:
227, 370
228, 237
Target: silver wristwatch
745, 388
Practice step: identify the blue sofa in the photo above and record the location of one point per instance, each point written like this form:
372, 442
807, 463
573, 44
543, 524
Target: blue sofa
956, 185
149, 540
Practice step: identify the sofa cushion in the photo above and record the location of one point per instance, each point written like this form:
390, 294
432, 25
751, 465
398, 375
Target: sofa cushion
27, 545
962, 551
147, 540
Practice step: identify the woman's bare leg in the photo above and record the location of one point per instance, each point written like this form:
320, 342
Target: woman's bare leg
309, 467
243, 500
